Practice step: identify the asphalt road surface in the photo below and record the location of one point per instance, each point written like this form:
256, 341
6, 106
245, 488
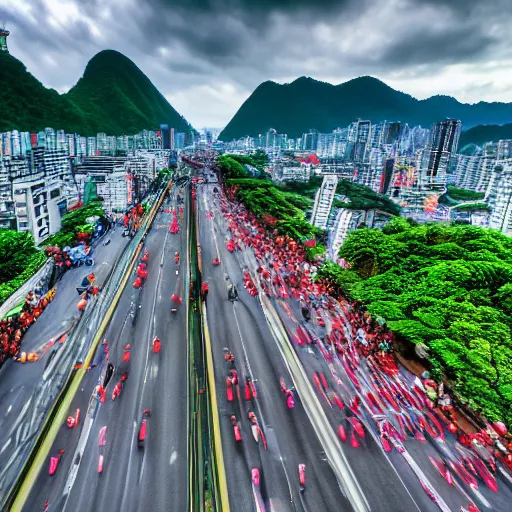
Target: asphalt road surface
290, 437
389, 481
156, 476
25, 397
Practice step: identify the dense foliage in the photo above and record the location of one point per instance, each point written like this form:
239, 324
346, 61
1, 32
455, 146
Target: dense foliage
258, 159
448, 287
483, 133
277, 209
326, 107
364, 198
19, 260
461, 194
473, 206
308, 189
113, 96
231, 168
75, 222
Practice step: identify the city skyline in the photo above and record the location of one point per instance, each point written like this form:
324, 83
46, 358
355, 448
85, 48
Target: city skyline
207, 73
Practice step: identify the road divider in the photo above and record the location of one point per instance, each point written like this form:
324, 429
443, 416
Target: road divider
330, 444
59, 411
217, 440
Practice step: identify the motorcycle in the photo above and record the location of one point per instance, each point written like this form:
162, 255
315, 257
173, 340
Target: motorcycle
102, 441
143, 429
255, 475
302, 476
236, 428
73, 421
250, 389
117, 390
54, 462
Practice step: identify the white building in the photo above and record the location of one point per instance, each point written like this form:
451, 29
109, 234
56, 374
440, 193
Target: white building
323, 201
499, 198
346, 221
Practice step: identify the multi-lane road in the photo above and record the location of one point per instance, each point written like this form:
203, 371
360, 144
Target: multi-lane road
340, 476
155, 477
241, 327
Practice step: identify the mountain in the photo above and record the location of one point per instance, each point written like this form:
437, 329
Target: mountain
113, 96
481, 134
25, 104
307, 103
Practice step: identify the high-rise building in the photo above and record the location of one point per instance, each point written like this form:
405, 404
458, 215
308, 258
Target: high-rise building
444, 139
179, 140
70, 145
392, 132
50, 138
499, 198
41, 139
475, 172
91, 146
323, 201
504, 149
15, 143
166, 142
60, 140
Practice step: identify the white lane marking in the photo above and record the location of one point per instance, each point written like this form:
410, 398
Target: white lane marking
174, 457
127, 468
9, 409
7, 443
287, 480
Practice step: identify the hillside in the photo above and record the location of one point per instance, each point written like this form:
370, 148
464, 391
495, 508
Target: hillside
117, 97
479, 135
25, 104
114, 96
307, 103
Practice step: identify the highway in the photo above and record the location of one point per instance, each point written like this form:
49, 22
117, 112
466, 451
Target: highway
402, 480
156, 476
290, 437
26, 396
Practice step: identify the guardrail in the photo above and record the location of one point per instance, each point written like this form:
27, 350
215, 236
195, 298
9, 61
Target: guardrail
55, 419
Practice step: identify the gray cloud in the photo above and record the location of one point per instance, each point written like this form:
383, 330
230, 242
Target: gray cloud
214, 46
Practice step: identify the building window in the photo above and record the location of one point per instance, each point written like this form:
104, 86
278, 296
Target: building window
55, 193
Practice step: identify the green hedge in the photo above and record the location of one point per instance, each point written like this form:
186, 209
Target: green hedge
73, 222
461, 194
37, 260
448, 287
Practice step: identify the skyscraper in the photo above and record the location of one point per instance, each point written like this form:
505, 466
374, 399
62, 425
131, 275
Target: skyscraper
444, 139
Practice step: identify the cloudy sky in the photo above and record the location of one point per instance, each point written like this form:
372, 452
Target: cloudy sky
206, 56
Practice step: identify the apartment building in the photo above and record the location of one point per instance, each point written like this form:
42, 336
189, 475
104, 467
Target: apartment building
499, 198
323, 201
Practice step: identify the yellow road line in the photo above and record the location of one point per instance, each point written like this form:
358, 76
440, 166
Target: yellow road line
57, 422
219, 454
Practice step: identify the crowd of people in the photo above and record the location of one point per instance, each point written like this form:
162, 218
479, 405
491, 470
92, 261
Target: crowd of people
281, 260
13, 328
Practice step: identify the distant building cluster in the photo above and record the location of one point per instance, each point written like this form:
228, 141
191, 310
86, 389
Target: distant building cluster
44, 174
411, 165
